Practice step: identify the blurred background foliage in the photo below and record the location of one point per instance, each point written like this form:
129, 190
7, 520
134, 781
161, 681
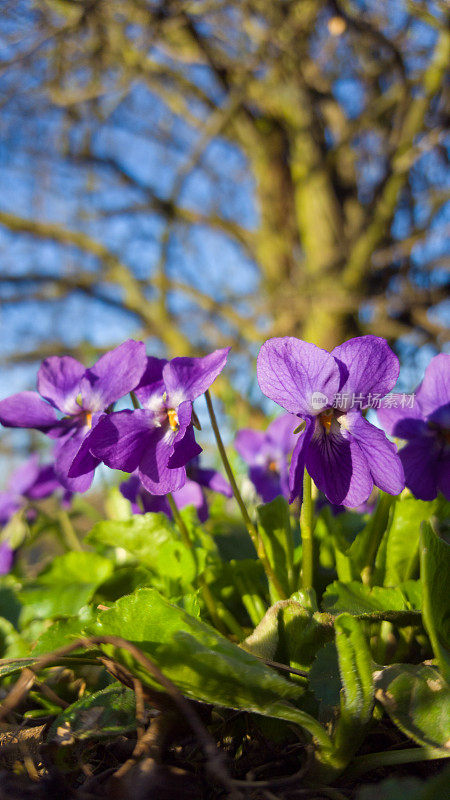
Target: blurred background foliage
199, 173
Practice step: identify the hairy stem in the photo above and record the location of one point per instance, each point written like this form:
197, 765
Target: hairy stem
68, 531
222, 618
306, 530
251, 528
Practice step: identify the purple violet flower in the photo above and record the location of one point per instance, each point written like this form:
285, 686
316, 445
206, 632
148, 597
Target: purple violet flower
267, 453
81, 395
426, 427
30, 481
191, 494
344, 454
158, 439
6, 558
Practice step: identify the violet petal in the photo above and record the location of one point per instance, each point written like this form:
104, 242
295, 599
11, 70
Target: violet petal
153, 472
281, 432
339, 468
420, 459
248, 444
24, 476
45, 484
213, 480
298, 461
188, 378
291, 371
120, 439
9, 504
372, 366
381, 454
113, 375
58, 381
6, 558
184, 450
405, 423
27, 410
65, 452
189, 495
151, 386
266, 483
433, 394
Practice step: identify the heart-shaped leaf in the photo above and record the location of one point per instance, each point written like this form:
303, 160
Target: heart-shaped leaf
418, 700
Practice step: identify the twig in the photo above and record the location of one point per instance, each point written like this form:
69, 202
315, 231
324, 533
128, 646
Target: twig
214, 757
285, 780
140, 707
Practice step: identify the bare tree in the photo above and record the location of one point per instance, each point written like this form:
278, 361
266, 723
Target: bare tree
220, 171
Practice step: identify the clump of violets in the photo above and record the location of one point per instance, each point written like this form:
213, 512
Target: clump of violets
344, 453
267, 454
426, 427
191, 494
30, 481
156, 440
80, 395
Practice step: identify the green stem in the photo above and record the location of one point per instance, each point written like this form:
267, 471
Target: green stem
251, 528
306, 531
217, 611
180, 522
68, 531
363, 764
135, 401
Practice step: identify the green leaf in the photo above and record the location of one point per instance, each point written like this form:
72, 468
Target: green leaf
247, 582
363, 551
435, 571
107, 713
9, 604
289, 633
124, 580
398, 557
418, 701
357, 697
400, 605
204, 665
63, 587
116, 505
12, 645
155, 541
435, 788
325, 680
15, 667
274, 526
63, 632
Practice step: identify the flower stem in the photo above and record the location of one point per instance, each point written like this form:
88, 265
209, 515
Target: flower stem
135, 401
180, 522
222, 618
306, 530
251, 528
68, 531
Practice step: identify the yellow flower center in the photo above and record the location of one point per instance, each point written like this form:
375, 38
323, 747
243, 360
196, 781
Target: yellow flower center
272, 466
173, 419
88, 419
326, 418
